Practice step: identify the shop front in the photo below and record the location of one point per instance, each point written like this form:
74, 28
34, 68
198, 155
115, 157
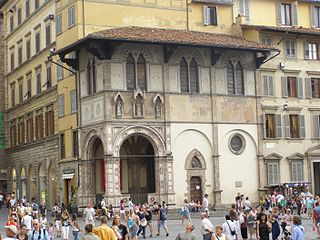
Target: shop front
69, 183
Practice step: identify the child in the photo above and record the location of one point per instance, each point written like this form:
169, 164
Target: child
51, 231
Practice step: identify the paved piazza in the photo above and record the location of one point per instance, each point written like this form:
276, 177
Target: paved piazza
175, 226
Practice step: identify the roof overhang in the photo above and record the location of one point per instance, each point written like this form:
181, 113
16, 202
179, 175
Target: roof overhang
283, 29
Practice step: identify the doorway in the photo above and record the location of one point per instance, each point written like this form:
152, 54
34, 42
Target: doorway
316, 172
52, 185
196, 189
137, 168
99, 169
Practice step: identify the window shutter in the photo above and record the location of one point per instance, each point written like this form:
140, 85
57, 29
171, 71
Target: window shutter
294, 171
276, 173
294, 14
241, 7
264, 125
270, 174
278, 126
246, 2
315, 124
308, 88
313, 16
265, 85
306, 50
205, 16
300, 88
287, 125
302, 126
284, 87
271, 86
278, 13
214, 16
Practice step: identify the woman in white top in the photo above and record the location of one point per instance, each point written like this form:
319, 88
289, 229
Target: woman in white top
229, 229
219, 234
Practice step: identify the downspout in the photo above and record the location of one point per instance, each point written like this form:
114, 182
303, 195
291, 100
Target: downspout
83, 21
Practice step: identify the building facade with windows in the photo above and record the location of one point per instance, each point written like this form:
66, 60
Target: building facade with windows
31, 99
289, 90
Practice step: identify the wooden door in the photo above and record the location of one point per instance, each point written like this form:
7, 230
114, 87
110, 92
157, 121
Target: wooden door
195, 189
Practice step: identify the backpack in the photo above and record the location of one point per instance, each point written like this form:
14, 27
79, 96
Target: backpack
315, 215
39, 236
163, 214
35, 207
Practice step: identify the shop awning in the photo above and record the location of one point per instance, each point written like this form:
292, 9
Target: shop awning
68, 176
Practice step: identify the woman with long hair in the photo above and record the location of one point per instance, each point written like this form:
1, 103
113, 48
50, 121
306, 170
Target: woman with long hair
263, 228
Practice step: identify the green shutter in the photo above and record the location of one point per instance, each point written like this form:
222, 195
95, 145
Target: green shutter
300, 87
278, 13
294, 14
287, 125
315, 127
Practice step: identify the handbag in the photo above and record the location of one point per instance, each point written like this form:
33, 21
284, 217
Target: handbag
143, 222
233, 232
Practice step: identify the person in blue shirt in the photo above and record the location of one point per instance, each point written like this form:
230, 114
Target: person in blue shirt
37, 233
297, 230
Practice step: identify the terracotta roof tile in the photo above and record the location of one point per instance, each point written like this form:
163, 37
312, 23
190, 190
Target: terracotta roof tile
291, 29
180, 37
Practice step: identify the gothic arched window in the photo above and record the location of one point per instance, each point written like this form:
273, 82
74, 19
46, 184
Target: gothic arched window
94, 79
230, 79
184, 76
141, 72
194, 80
195, 163
189, 76
239, 79
130, 72
235, 79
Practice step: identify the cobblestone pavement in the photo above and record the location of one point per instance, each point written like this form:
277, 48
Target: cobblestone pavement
175, 226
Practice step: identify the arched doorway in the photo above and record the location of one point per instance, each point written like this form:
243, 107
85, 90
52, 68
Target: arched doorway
137, 168
99, 168
52, 185
23, 182
14, 180
32, 183
42, 183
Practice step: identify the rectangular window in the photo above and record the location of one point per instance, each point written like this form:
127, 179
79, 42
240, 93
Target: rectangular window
21, 129
19, 16
268, 85
13, 92
210, 15
270, 126
36, 4
59, 24
49, 76
311, 51
317, 16
48, 35
20, 54
292, 86
73, 97
62, 147
39, 125
286, 14
290, 48
28, 48
28, 94
37, 41
75, 144
61, 106
59, 70
49, 121
266, 41
38, 80
13, 133
71, 16
11, 58
315, 126
297, 171
27, 8
273, 173
20, 83
244, 8
11, 23
294, 126
29, 132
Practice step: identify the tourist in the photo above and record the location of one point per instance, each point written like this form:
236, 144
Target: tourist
88, 235
297, 230
205, 204
244, 224
42, 209
316, 218
57, 220
162, 220
134, 228
252, 223
310, 205
43, 221
149, 218
51, 231
263, 228
65, 222
187, 235
11, 232
28, 209
206, 227
38, 233
89, 214
219, 234
22, 235
130, 204
122, 210
20, 211
104, 232
184, 211
27, 221
130, 218
247, 205
122, 229
143, 222
1, 200
229, 228
275, 228
75, 227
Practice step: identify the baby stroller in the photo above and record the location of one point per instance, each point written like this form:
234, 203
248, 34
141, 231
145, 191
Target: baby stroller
286, 233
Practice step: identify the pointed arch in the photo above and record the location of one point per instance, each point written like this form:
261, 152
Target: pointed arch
184, 76
230, 78
195, 155
239, 82
141, 73
194, 76
130, 72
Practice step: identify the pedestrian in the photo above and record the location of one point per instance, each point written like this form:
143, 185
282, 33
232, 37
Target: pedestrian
88, 235
21, 212
297, 230
42, 209
130, 204
65, 222
162, 219
130, 218
28, 209
89, 214
43, 221
22, 235
51, 231
219, 234
1, 200
75, 227
122, 229
149, 218
316, 218
234, 216
229, 228
252, 223
103, 231
206, 227
184, 211
134, 228
243, 224
38, 233
57, 220
247, 205
263, 228
122, 210
143, 222
275, 228
310, 205
205, 204
187, 235
27, 221
74, 208
11, 232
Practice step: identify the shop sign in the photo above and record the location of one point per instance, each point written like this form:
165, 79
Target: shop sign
69, 171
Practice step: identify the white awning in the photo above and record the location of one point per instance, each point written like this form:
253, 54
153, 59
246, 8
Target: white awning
68, 176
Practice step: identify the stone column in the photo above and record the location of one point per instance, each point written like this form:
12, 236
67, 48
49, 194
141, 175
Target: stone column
112, 173
87, 183
216, 182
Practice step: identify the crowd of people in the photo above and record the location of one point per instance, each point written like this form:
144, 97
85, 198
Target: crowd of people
276, 216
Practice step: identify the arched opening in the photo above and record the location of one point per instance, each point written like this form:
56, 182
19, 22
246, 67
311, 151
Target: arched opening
99, 168
23, 182
137, 168
52, 185
42, 183
32, 183
14, 180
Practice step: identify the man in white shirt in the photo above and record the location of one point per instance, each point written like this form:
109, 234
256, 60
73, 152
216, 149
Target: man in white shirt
206, 227
12, 202
27, 220
11, 232
130, 204
89, 214
229, 228
205, 204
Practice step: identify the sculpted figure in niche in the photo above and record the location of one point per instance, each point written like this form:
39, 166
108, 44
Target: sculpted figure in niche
139, 106
158, 104
119, 106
